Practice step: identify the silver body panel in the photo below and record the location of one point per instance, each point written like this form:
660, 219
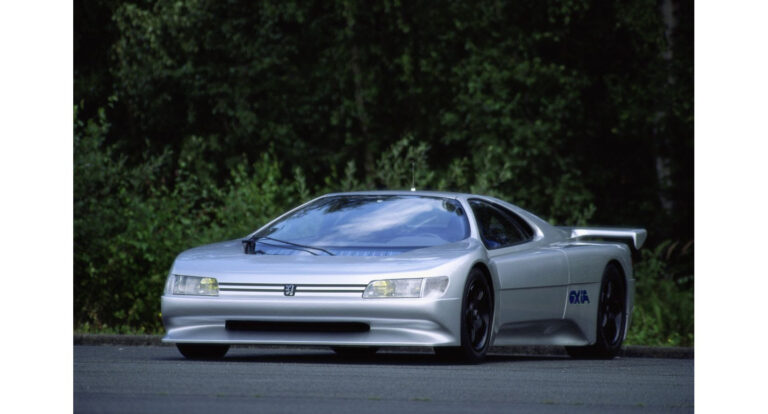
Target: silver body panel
531, 286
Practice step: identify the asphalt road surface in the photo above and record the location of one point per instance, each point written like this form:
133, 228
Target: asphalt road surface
134, 379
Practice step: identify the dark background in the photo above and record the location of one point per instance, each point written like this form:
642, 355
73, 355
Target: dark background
197, 121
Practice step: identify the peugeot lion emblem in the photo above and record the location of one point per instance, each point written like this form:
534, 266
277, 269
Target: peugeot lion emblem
289, 290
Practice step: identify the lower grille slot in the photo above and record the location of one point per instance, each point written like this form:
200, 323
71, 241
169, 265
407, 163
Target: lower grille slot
280, 326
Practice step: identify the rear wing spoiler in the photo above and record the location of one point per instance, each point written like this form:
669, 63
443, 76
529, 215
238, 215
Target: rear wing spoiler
636, 235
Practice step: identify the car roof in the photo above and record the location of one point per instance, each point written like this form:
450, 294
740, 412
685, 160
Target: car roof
544, 229
446, 194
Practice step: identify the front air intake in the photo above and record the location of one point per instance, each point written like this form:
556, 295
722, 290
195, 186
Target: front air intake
279, 326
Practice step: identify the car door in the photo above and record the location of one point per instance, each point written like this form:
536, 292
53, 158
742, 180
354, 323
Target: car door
533, 277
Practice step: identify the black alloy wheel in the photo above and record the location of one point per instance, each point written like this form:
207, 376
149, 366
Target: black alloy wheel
476, 321
203, 351
611, 317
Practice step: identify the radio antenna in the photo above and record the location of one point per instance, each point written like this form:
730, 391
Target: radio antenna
413, 175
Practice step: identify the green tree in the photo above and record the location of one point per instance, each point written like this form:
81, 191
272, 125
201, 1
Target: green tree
228, 112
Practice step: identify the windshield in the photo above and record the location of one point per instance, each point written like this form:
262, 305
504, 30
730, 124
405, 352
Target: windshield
390, 222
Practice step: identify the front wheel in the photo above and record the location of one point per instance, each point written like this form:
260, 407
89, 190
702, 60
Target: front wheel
203, 351
611, 318
476, 321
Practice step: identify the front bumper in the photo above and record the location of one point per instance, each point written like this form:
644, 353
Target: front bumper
392, 321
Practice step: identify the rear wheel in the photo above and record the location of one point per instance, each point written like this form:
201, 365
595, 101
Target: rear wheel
203, 351
611, 318
355, 351
476, 321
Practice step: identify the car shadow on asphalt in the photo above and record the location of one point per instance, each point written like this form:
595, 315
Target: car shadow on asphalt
380, 358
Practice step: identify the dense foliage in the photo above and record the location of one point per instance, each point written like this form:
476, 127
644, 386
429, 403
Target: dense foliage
199, 120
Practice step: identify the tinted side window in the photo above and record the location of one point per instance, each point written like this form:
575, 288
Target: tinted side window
524, 227
499, 227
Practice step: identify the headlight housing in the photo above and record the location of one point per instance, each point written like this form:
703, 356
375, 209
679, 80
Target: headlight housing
428, 287
191, 285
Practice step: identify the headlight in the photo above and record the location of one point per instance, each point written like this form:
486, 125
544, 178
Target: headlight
191, 285
429, 287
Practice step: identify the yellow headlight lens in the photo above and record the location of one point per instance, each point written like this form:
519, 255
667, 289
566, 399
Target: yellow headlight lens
382, 288
194, 285
407, 288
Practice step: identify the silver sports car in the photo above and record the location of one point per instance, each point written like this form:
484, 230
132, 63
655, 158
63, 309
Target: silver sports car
357, 271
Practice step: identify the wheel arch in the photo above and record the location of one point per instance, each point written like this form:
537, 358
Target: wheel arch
617, 263
494, 283
487, 273
629, 291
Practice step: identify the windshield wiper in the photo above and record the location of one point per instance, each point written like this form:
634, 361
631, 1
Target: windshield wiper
249, 245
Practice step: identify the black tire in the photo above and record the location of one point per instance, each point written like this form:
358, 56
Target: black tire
476, 321
355, 351
611, 318
203, 351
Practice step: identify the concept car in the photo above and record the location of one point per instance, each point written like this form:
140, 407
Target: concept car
359, 271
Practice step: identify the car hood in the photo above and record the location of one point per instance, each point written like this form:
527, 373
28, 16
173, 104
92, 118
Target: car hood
227, 262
